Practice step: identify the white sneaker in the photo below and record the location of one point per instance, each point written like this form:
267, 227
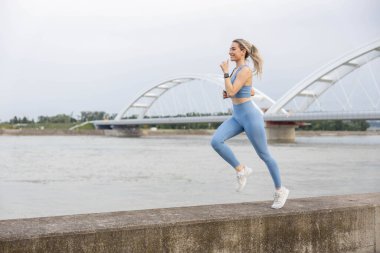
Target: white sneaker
242, 177
280, 198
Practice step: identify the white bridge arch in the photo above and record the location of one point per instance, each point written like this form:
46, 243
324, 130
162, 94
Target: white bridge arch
154, 93
311, 88
325, 77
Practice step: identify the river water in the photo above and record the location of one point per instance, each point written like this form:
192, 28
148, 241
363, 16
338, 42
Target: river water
59, 175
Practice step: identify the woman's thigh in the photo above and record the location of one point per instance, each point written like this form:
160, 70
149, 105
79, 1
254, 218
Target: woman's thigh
254, 128
227, 130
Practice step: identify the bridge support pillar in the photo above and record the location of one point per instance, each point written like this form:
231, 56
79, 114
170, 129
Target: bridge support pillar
281, 132
129, 131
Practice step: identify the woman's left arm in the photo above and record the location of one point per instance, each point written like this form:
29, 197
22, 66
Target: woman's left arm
240, 80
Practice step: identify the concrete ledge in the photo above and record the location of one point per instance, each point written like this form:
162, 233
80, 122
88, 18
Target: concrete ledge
349, 223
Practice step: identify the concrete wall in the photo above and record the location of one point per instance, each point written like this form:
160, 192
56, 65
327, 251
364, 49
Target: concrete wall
280, 133
349, 223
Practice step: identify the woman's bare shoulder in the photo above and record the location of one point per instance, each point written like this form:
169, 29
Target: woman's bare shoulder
246, 71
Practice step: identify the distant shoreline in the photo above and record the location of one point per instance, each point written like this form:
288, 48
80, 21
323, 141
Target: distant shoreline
166, 132
37, 132
335, 133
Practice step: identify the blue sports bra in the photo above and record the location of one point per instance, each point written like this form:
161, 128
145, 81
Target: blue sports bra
245, 91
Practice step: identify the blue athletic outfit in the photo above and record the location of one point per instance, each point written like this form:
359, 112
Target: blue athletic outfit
246, 117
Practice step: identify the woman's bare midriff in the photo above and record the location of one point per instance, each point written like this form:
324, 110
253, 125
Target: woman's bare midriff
237, 101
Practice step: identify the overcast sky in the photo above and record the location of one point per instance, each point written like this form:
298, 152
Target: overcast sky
67, 56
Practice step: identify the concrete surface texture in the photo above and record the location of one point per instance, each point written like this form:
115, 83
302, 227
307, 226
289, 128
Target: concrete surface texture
345, 223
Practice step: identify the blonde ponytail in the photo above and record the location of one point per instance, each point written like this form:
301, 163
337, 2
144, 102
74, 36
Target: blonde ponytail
251, 51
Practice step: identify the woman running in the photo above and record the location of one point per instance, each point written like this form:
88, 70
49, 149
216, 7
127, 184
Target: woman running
246, 117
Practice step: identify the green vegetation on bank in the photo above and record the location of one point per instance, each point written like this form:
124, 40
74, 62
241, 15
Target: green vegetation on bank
328, 125
64, 122
188, 125
337, 125
59, 121
321, 125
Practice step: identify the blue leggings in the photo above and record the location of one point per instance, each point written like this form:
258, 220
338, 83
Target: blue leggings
245, 117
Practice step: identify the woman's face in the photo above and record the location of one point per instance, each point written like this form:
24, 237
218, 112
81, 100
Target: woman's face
235, 52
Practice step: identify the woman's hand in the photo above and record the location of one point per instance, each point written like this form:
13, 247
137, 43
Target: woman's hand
252, 92
225, 94
224, 66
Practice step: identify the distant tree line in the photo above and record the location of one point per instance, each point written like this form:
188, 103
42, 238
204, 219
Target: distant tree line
19, 120
95, 115
189, 126
63, 118
59, 118
206, 125
337, 125
327, 125
322, 125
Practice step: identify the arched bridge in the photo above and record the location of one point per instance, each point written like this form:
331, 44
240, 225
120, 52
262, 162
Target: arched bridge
137, 112
307, 100
146, 100
309, 91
